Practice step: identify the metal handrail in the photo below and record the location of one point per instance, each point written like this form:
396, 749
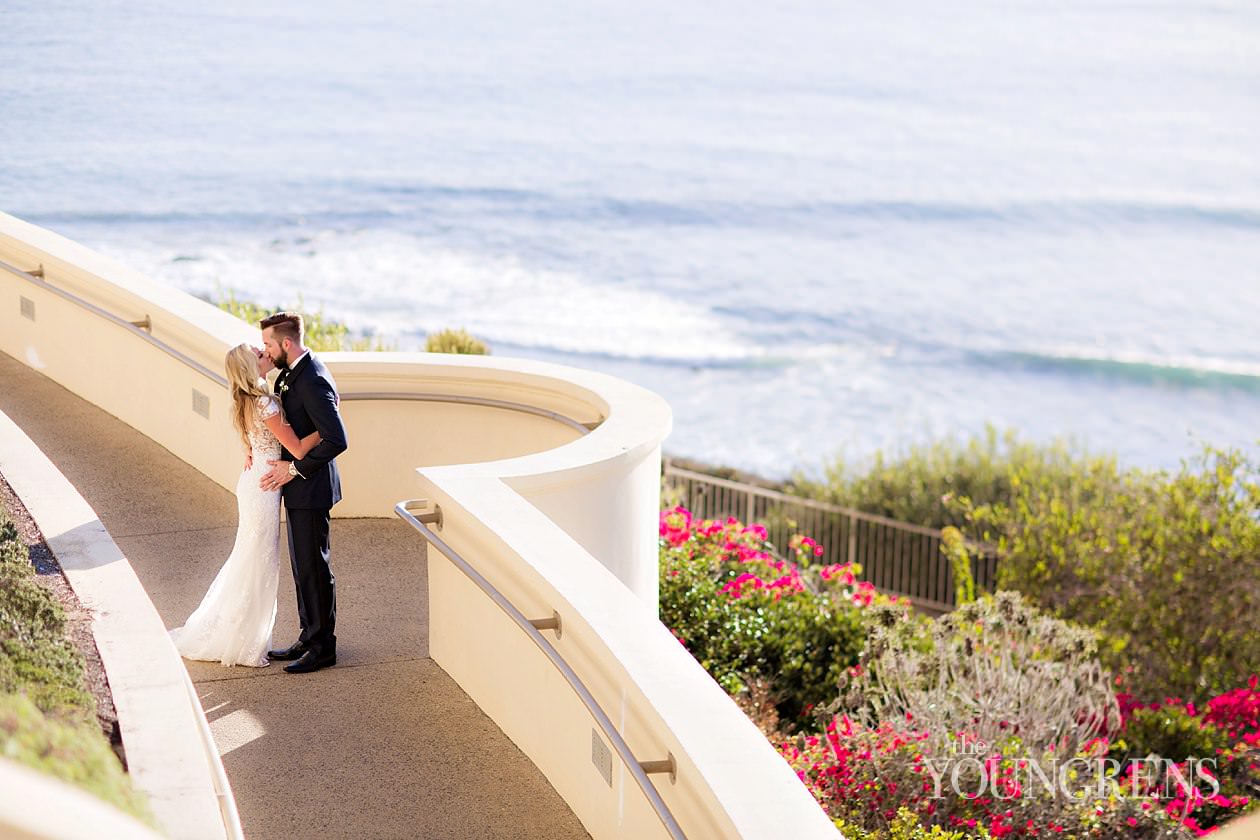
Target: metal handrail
143, 328
222, 789
584, 428
637, 770
136, 327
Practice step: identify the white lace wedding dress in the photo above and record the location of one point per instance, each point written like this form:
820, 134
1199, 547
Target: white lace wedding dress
233, 624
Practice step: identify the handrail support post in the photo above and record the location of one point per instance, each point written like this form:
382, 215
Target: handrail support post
428, 517
668, 765
552, 623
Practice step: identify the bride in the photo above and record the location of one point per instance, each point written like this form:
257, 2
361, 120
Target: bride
234, 621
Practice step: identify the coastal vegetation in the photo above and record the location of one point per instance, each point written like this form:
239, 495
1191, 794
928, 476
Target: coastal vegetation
924, 483
321, 333
324, 334
1161, 563
47, 716
455, 341
755, 619
1115, 645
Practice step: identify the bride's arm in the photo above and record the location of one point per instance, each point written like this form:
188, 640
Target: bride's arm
289, 439
305, 445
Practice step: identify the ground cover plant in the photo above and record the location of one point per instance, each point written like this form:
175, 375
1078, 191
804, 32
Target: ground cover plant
47, 717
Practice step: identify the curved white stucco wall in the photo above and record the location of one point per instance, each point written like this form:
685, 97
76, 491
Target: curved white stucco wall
187, 411
556, 520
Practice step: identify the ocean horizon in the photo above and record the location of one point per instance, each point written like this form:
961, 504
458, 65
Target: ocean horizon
815, 230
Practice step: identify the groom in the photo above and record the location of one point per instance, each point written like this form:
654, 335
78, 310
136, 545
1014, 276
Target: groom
311, 487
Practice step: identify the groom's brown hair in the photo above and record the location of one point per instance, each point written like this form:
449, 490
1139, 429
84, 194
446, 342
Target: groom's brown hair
285, 325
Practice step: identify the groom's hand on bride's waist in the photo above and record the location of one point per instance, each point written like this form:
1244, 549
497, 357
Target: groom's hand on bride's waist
278, 477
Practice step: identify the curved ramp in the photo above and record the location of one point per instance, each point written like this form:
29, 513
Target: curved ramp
385, 745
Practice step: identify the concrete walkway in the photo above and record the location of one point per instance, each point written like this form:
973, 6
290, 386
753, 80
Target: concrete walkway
385, 745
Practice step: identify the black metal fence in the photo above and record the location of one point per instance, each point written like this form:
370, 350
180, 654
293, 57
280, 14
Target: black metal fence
897, 557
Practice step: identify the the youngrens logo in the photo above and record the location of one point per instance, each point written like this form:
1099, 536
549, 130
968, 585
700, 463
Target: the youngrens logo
973, 772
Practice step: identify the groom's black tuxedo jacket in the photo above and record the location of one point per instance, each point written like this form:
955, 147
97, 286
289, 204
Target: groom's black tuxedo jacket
309, 397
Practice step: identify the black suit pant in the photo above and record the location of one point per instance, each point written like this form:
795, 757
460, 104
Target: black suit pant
313, 578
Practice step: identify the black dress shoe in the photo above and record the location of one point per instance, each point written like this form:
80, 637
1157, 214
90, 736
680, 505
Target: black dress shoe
309, 662
293, 651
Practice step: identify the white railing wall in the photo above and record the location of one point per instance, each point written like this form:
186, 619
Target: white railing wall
560, 520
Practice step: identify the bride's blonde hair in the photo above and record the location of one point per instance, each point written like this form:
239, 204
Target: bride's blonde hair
246, 385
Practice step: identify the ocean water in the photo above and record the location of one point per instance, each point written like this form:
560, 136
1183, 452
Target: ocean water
814, 228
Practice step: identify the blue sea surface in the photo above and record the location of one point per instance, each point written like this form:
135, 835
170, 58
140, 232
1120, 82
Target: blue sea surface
814, 228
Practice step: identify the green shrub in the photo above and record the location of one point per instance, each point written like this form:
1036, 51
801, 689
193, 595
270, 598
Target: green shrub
320, 334
892, 782
47, 715
1164, 565
751, 617
74, 752
989, 721
923, 484
1180, 732
993, 667
8, 531
35, 656
28, 612
455, 341
13, 553
1171, 732
905, 826
50, 675
954, 547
